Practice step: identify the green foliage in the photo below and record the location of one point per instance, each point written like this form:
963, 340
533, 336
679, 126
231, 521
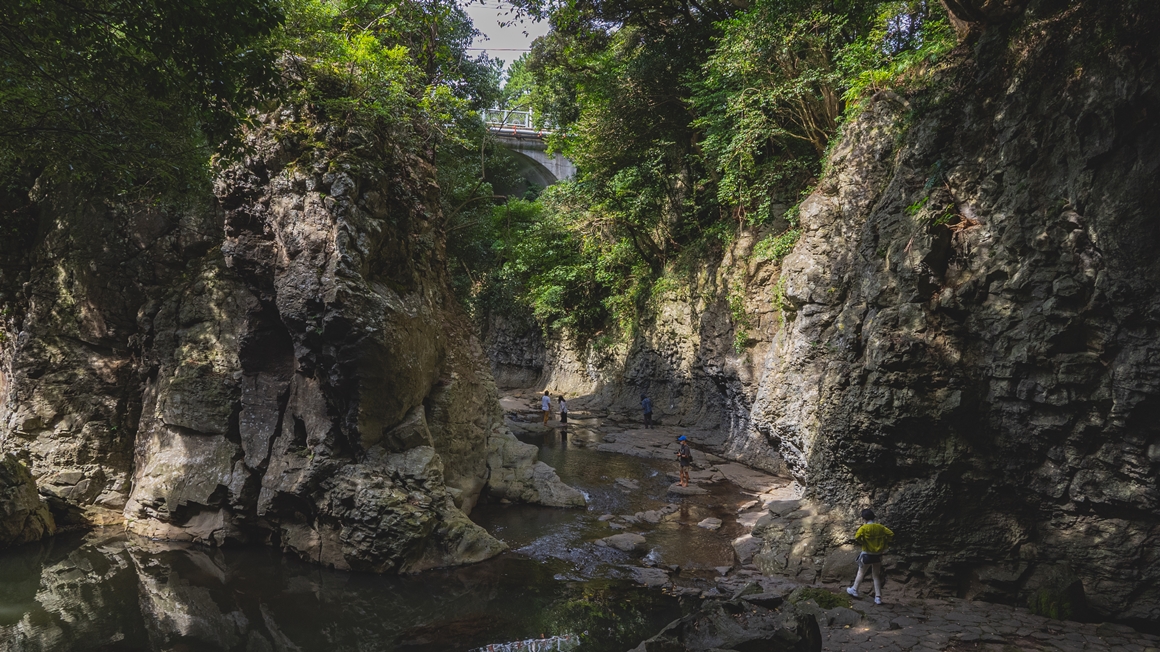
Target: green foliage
742, 321
688, 123
916, 207
824, 599
907, 39
603, 618
771, 95
124, 94
386, 65
1051, 604
774, 248
780, 303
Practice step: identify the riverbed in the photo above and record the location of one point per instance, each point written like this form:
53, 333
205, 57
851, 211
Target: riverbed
105, 590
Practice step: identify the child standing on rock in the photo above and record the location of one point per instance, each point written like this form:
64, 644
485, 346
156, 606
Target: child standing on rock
874, 539
546, 406
685, 459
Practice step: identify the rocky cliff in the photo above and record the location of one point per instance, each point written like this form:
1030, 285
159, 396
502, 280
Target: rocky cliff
700, 356
970, 323
280, 362
972, 341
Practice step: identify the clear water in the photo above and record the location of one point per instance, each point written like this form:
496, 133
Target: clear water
106, 591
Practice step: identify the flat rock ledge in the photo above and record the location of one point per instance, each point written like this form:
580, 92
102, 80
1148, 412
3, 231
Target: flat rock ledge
738, 625
691, 490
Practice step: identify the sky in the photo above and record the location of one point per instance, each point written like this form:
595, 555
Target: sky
506, 43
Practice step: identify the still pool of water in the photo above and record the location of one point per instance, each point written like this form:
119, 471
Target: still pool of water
107, 591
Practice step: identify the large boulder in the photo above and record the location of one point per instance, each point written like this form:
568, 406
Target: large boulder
281, 362
516, 474
24, 517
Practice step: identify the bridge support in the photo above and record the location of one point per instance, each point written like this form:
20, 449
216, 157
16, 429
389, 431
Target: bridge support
540, 168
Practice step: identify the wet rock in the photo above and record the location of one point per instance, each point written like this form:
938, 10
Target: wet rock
651, 577
745, 547
517, 475
691, 490
627, 483
750, 588
651, 516
767, 599
711, 523
738, 625
627, 542
24, 517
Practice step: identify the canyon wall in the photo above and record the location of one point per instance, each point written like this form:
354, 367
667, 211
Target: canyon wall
972, 346
281, 362
688, 358
971, 324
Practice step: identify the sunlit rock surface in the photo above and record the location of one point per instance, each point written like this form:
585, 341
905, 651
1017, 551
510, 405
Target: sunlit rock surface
965, 336
23, 515
283, 363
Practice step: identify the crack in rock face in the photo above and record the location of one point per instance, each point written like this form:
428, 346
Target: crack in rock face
282, 363
963, 337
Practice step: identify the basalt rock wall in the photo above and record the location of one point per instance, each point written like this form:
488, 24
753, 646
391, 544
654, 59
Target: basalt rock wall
279, 362
966, 335
979, 264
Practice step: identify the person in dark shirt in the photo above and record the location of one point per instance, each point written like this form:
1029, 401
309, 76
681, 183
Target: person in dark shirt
646, 404
685, 458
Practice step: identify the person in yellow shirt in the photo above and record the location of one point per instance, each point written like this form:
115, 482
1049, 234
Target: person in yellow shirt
874, 539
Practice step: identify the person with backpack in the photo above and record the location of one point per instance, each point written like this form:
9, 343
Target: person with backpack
685, 459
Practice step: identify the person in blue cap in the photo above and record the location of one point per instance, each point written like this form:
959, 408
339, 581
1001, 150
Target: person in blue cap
685, 458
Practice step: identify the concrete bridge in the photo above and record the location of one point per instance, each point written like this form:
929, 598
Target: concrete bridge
515, 131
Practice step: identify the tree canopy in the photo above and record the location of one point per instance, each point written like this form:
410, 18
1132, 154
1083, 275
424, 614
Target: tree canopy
126, 91
688, 120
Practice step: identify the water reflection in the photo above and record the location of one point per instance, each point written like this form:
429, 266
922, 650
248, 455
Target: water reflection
108, 591
112, 592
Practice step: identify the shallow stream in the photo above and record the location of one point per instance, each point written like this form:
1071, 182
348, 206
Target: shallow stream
106, 591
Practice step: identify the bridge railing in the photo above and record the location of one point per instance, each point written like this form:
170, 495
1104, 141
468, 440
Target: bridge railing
508, 119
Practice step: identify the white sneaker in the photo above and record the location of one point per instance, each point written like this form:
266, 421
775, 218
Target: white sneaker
877, 600
852, 591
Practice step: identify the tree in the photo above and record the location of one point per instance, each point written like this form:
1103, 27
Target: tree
126, 93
